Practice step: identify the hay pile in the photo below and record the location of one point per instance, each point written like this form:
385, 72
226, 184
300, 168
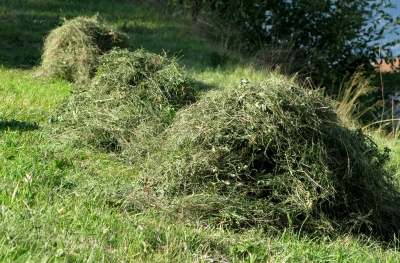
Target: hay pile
264, 154
274, 155
131, 99
72, 50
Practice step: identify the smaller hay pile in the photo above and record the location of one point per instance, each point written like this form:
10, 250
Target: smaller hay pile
132, 98
72, 51
273, 155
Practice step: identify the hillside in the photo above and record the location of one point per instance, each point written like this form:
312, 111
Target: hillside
148, 177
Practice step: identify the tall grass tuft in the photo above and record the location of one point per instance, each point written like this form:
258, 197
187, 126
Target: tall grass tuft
352, 103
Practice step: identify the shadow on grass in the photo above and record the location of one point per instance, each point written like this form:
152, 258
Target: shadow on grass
14, 125
24, 27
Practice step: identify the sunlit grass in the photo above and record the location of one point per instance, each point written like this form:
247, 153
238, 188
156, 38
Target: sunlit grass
25, 98
60, 203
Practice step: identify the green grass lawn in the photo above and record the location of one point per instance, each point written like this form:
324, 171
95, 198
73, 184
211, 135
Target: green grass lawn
60, 203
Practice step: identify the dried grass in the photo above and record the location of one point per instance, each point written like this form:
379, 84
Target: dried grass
274, 155
72, 51
132, 98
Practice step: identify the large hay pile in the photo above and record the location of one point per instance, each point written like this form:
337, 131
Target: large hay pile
264, 154
72, 51
132, 98
274, 155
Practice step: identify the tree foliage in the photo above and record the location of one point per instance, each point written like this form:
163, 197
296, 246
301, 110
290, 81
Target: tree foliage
331, 36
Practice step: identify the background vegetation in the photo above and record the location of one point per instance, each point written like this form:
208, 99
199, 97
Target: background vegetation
61, 201
325, 37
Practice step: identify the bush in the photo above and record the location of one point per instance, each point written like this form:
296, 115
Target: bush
132, 98
274, 155
72, 51
328, 37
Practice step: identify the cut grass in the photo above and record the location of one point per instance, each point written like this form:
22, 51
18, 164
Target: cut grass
25, 26
59, 203
132, 98
73, 50
274, 155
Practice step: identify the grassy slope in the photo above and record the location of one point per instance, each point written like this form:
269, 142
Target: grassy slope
55, 201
